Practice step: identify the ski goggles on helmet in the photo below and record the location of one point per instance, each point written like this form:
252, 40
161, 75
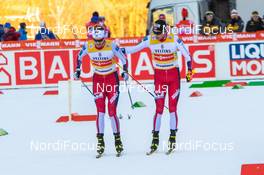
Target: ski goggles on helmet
159, 27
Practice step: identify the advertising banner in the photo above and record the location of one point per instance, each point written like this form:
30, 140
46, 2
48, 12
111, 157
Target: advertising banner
44, 63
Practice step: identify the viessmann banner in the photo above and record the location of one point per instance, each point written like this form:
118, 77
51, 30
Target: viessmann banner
46, 66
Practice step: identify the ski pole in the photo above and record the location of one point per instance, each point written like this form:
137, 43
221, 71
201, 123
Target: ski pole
130, 98
141, 84
87, 88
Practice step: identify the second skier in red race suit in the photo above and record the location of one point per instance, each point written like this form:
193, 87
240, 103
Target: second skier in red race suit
164, 47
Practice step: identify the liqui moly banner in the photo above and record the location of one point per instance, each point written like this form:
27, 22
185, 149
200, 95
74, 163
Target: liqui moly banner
247, 59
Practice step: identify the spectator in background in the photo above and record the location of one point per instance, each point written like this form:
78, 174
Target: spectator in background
185, 26
89, 26
10, 33
162, 17
1, 31
102, 23
211, 25
7, 26
22, 31
236, 24
255, 23
44, 33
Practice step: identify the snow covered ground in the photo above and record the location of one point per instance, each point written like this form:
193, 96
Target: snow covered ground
218, 132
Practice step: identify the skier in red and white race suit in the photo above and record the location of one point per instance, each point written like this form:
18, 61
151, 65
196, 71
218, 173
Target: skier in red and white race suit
164, 47
105, 81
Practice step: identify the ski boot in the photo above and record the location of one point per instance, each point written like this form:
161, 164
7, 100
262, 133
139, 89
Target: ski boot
118, 144
155, 142
172, 141
100, 145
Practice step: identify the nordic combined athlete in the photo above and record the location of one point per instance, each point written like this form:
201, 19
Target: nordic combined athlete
164, 47
105, 82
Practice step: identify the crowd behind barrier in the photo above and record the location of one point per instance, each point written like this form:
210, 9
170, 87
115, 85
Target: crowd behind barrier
210, 26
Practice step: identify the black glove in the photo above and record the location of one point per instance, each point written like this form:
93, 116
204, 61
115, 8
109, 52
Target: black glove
77, 73
189, 75
123, 50
124, 73
124, 76
190, 72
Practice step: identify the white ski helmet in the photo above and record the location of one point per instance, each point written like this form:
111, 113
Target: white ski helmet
98, 32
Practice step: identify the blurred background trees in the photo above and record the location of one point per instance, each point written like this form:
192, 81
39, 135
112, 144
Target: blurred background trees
124, 17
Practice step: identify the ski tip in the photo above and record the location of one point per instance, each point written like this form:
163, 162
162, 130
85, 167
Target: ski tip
98, 156
119, 154
149, 153
169, 152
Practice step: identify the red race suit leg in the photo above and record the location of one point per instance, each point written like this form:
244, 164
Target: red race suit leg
106, 86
